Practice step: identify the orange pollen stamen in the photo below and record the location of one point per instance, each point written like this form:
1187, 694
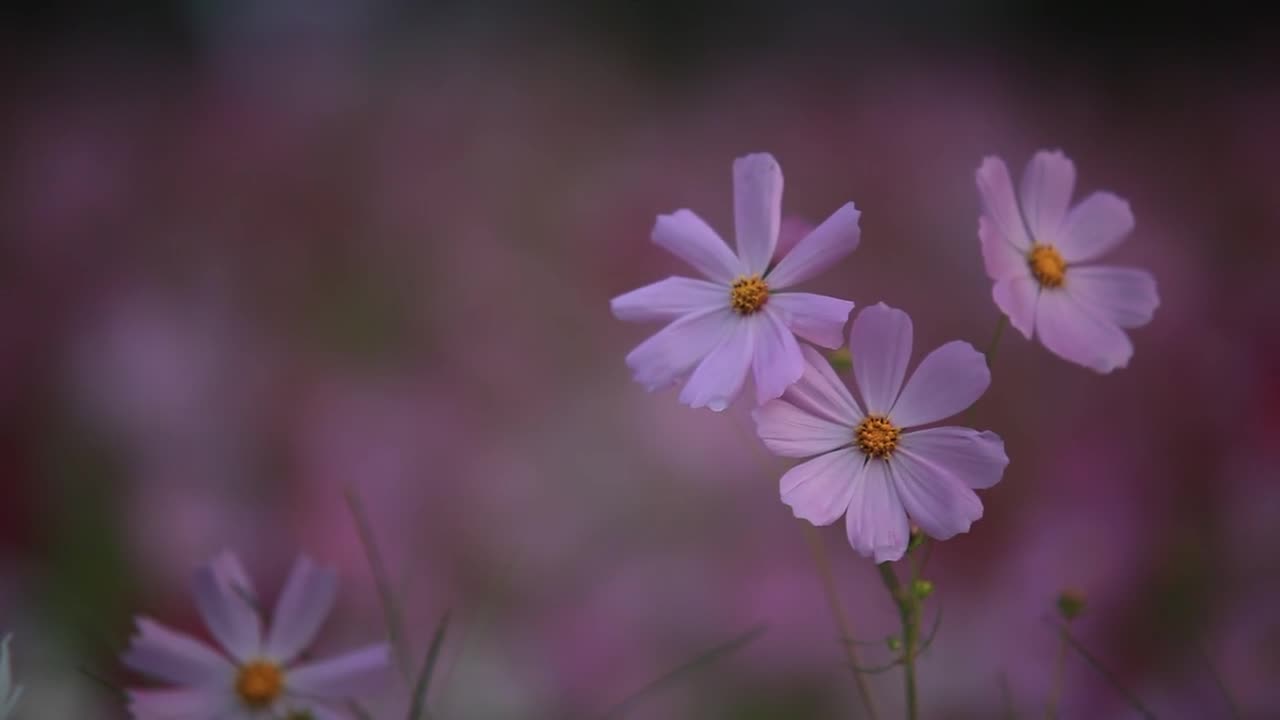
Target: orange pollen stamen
259, 683
877, 437
1047, 265
748, 295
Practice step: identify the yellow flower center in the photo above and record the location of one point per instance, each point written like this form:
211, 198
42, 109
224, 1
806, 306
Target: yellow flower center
748, 295
1047, 265
259, 683
877, 437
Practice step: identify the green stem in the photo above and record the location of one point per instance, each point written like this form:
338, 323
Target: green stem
1059, 670
990, 353
823, 567
909, 615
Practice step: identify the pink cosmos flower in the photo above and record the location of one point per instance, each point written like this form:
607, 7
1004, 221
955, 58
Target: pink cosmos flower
738, 319
866, 465
1036, 255
252, 677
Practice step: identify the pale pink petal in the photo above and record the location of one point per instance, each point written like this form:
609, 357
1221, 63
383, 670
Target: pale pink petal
1098, 224
816, 318
1047, 185
820, 490
319, 712
947, 381
225, 599
1080, 334
183, 704
935, 499
789, 431
176, 657
303, 605
1016, 296
689, 238
880, 343
777, 362
669, 299
1000, 258
820, 392
977, 458
349, 675
876, 522
999, 205
835, 238
792, 231
677, 348
720, 376
1125, 295
757, 209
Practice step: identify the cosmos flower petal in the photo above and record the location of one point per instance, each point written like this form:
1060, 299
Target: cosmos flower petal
789, 431
757, 209
778, 362
880, 343
691, 239
669, 299
1127, 296
225, 599
351, 674
676, 349
1047, 184
792, 230
176, 657
816, 318
720, 376
1000, 205
1079, 333
835, 238
820, 392
935, 499
821, 489
302, 607
319, 712
947, 381
876, 522
182, 704
1016, 296
977, 458
1000, 258
1095, 226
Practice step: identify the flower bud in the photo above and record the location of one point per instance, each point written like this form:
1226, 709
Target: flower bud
1071, 604
921, 589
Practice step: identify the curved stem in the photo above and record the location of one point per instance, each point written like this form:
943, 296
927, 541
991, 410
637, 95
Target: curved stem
823, 568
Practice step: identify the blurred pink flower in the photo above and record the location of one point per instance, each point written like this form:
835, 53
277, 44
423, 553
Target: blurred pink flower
867, 468
738, 320
261, 674
1032, 253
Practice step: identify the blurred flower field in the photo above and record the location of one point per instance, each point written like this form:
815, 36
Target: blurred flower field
335, 282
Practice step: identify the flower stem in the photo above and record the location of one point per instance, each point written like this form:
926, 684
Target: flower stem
909, 614
823, 568
990, 353
1059, 670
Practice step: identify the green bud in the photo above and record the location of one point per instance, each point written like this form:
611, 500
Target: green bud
1071, 604
921, 589
894, 642
840, 359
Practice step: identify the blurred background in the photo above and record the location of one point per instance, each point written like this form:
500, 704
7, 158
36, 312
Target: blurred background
253, 254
